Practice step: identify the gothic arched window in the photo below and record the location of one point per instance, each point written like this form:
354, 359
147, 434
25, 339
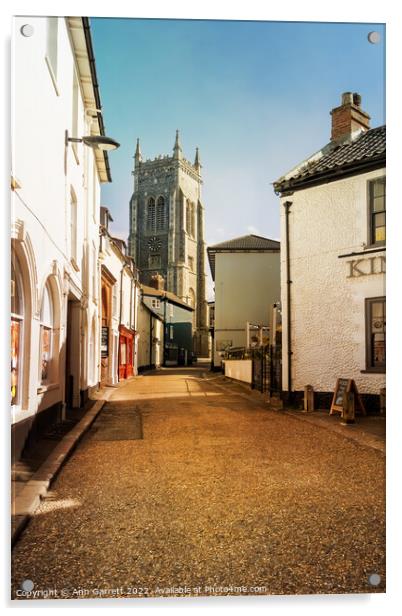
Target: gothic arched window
160, 214
192, 220
151, 214
188, 217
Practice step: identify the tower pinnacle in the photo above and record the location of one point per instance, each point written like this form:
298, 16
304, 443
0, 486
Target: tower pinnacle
197, 163
177, 151
138, 155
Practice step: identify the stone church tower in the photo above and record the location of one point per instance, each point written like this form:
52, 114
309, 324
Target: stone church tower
167, 230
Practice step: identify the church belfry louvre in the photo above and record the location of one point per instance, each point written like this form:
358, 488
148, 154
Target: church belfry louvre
167, 230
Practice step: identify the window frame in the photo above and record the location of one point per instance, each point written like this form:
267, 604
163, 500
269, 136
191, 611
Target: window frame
369, 301
160, 214
151, 214
74, 229
20, 319
49, 327
154, 261
371, 243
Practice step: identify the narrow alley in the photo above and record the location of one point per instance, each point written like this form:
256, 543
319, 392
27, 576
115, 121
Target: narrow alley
184, 488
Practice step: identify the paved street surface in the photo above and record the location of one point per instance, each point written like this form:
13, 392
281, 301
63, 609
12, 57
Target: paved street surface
187, 489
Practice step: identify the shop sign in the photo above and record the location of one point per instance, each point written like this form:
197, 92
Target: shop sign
366, 267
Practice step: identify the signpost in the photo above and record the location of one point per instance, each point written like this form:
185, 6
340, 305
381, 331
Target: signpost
342, 389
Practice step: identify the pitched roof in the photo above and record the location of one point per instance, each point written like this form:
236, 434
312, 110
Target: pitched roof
245, 243
366, 151
171, 297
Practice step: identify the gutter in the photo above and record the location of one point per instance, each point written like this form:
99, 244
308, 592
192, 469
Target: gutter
91, 57
287, 206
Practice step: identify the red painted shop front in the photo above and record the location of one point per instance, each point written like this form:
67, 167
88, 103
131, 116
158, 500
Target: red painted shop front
126, 350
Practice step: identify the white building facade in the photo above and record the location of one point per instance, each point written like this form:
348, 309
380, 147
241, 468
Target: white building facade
120, 297
333, 262
246, 273
55, 203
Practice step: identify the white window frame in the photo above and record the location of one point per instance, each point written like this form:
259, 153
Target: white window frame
19, 317
74, 229
46, 326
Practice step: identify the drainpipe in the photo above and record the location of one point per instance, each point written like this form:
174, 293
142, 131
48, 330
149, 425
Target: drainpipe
150, 339
121, 294
164, 331
287, 205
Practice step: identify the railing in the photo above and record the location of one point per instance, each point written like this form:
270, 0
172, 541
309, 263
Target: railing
266, 366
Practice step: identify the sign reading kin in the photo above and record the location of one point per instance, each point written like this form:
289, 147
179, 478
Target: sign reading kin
366, 267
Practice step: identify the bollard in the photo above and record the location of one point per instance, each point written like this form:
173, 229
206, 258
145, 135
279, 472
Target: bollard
383, 400
308, 399
348, 410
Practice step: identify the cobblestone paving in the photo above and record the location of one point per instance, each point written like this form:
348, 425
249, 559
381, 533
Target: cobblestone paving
219, 497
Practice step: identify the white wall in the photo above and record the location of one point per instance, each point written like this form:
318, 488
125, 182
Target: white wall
246, 287
327, 306
239, 369
47, 172
147, 355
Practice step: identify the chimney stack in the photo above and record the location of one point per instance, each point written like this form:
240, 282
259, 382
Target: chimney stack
157, 282
349, 117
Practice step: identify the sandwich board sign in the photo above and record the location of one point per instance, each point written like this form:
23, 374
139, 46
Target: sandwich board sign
344, 386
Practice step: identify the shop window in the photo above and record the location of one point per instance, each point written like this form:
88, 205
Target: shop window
375, 334
17, 323
377, 211
123, 352
46, 336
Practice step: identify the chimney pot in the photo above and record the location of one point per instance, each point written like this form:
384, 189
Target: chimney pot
357, 99
347, 98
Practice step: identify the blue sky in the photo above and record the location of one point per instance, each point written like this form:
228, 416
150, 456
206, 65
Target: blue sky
254, 97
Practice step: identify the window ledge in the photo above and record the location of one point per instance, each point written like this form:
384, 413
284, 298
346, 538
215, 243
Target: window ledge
373, 247
44, 388
373, 371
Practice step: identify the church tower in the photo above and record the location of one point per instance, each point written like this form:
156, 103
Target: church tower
167, 230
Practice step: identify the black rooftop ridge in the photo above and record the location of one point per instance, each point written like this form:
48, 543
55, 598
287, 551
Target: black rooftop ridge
364, 153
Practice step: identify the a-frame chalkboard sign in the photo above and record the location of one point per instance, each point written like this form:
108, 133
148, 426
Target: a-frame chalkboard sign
345, 386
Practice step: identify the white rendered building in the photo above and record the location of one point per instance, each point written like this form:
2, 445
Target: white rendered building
120, 297
246, 273
55, 221
333, 261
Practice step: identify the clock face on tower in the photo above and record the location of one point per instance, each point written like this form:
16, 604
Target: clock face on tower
154, 244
